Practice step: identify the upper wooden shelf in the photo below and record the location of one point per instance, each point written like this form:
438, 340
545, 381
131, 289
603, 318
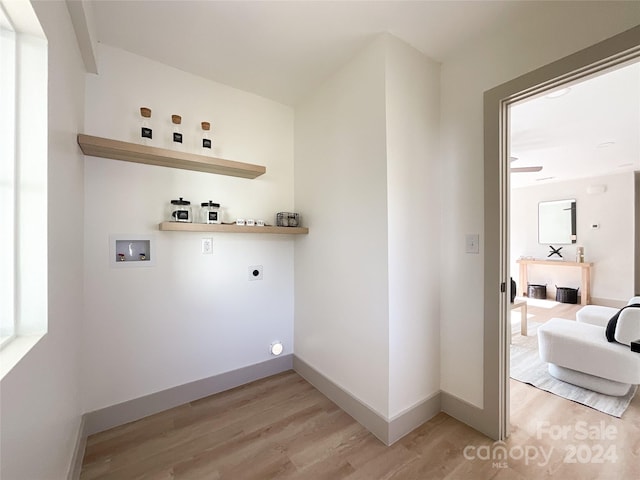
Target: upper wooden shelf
214, 227
132, 152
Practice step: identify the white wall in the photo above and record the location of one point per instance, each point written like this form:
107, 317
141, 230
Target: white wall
190, 316
367, 299
40, 407
500, 56
609, 248
341, 269
413, 196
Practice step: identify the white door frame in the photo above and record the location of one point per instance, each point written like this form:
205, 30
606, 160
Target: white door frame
616, 51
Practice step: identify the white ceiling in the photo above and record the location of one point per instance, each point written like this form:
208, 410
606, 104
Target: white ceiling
592, 130
284, 49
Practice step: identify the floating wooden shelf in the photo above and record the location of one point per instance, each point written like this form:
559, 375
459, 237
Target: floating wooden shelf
132, 152
214, 227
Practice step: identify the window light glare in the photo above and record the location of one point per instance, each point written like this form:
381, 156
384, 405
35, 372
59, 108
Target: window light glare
558, 93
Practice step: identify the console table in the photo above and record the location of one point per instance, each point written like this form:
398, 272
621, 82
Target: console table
585, 277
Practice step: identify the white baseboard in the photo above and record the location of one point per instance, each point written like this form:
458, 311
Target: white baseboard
78, 452
608, 302
466, 413
387, 431
141, 407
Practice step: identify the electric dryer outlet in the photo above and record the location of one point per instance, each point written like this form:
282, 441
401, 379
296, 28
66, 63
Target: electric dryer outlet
255, 272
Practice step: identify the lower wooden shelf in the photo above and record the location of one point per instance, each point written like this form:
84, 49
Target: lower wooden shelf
221, 228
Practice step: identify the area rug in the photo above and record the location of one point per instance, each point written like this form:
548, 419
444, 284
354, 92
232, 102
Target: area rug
527, 367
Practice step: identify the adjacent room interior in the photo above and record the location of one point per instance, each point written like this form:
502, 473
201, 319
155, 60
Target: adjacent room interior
573, 160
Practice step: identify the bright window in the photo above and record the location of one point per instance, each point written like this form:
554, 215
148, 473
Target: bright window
7, 177
23, 177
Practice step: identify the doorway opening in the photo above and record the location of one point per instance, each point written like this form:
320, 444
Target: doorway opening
573, 153
615, 52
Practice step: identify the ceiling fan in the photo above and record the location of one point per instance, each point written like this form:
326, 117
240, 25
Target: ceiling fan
536, 168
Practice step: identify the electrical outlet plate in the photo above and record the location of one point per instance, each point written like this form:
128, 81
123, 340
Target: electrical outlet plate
472, 243
255, 272
207, 246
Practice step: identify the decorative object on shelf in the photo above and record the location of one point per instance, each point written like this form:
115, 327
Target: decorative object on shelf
259, 223
250, 222
240, 221
206, 137
121, 257
177, 132
579, 254
180, 211
554, 251
287, 219
146, 132
210, 212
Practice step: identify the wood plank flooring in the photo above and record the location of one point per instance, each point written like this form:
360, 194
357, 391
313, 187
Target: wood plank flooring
281, 427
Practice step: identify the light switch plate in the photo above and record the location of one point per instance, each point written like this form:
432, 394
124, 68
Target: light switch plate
472, 243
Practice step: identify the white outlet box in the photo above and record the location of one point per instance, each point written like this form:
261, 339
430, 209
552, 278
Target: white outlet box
207, 246
255, 272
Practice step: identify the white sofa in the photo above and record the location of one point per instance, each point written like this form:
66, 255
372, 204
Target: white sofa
597, 315
579, 352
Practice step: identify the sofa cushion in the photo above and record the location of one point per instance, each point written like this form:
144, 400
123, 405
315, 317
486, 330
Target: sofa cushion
596, 314
610, 332
583, 347
628, 326
634, 300
599, 315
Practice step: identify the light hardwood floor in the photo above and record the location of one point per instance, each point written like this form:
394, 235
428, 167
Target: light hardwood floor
283, 428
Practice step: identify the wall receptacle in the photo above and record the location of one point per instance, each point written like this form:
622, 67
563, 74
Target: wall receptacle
255, 272
207, 246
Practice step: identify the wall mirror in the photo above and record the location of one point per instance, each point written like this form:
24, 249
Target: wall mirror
557, 222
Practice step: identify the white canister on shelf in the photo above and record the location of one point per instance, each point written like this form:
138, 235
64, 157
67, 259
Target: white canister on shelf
210, 212
177, 140
180, 211
206, 138
146, 132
